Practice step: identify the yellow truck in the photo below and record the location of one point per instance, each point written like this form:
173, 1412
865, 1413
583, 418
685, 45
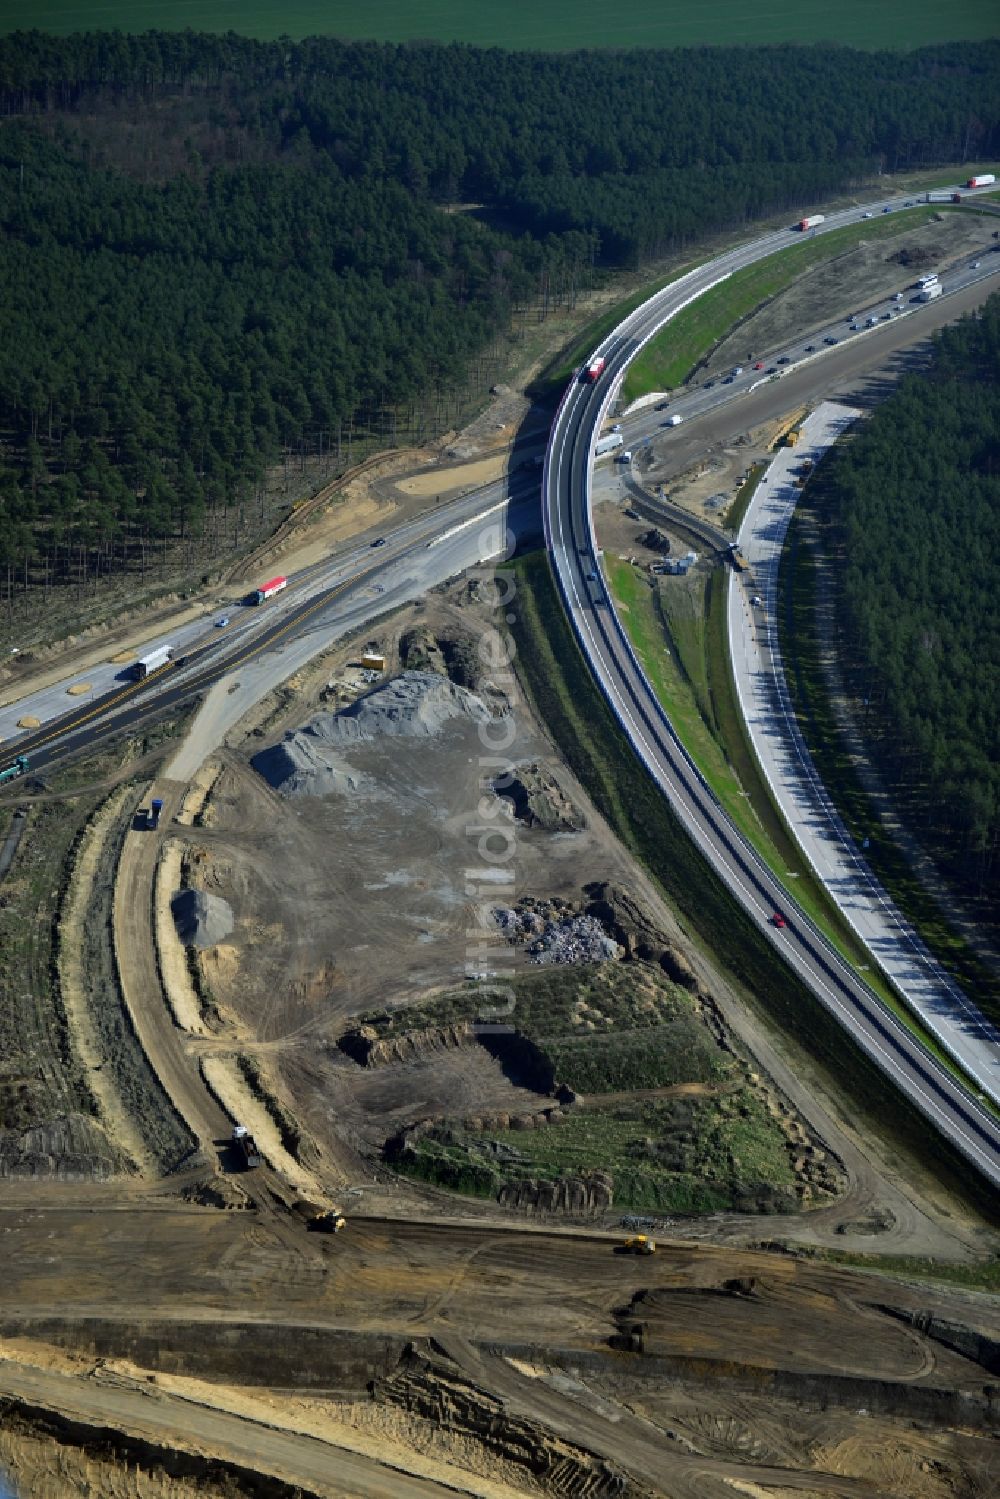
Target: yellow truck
639, 1244
319, 1220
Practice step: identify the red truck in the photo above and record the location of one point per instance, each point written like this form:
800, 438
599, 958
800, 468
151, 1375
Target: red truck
595, 367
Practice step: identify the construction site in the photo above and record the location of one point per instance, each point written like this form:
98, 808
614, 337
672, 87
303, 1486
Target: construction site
372, 1124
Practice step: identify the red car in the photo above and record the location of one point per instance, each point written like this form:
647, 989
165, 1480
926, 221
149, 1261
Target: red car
777, 919
759, 365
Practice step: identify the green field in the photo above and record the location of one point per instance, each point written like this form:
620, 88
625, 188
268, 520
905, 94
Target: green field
556, 26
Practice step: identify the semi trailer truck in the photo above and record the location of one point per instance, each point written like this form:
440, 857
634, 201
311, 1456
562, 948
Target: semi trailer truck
608, 443
987, 179
152, 661
268, 590
14, 770
812, 220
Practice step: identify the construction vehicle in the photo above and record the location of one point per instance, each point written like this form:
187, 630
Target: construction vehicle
319, 1220
639, 1244
14, 770
737, 558
246, 1147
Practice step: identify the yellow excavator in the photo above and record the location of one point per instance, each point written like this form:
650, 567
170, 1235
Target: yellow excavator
639, 1244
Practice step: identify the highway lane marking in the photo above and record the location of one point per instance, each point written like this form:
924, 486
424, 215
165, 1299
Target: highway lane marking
215, 673
880, 1017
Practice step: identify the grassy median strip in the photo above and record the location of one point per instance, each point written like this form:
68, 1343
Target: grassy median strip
670, 357
684, 653
558, 681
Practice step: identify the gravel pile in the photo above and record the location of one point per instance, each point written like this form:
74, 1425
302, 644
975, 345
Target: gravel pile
414, 705
567, 939
201, 919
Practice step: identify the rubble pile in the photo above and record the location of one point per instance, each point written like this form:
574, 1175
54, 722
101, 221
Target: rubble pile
557, 937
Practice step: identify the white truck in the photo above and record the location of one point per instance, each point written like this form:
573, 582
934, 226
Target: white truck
608, 443
811, 221
673, 421
923, 282
152, 661
930, 292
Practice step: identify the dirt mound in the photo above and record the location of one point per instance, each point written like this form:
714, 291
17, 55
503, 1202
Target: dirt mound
304, 765
414, 705
218, 1192
539, 801
631, 926
368, 1048
201, 919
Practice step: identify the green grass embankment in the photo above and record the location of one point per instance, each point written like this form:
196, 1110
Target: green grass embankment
670, 357
558, 682
680, 637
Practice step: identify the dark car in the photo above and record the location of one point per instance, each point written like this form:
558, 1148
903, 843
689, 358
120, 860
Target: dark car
772, 369
379, 541
729, 380
709, 385
809, 349
830, 341
784, 359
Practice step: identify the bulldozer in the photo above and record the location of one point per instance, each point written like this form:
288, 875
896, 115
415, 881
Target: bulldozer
639, 1244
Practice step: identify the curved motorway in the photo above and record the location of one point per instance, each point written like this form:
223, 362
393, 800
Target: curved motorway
570, 541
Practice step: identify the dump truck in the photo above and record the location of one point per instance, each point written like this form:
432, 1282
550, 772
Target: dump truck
14, 770
152, 661
246, 1147
986, 180
812, 220
737, 558
319, 1219
792, 437
639, 1244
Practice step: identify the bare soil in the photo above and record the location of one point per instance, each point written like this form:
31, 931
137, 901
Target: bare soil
844, 285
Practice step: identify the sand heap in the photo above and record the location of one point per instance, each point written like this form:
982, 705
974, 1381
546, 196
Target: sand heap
201, 919
414, 705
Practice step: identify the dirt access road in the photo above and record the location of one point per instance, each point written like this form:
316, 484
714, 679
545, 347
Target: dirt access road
762, 1386
161, 1040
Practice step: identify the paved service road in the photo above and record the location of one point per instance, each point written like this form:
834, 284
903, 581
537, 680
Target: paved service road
755, 652
569, 537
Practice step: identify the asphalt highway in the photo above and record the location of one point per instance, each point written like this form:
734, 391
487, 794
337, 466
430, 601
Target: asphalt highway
326, 599
570, 540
